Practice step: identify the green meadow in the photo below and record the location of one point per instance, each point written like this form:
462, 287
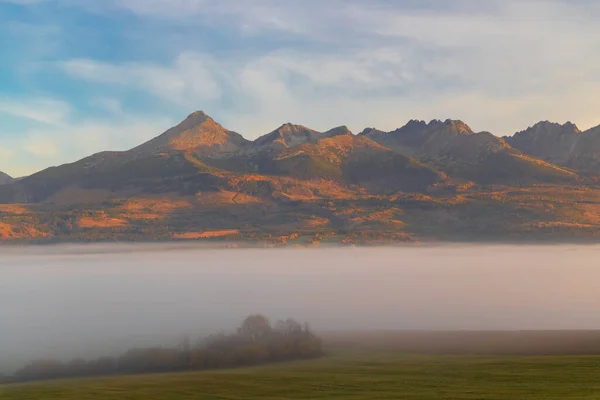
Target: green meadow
348, 375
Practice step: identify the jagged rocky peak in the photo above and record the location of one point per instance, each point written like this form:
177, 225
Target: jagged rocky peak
453, 125
416, 123
550, 141
338, 131
571, 125
293, 129
413, 124
417, 127
288, 135
546, 127
369, 131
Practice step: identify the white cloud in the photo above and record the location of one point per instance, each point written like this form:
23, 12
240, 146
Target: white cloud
187, 79
40, 145
6, 153
363, 70
91, 136
54, 145
248, 16
172, 8
22, 2
525, 44
107, 104
48, 111
497, 68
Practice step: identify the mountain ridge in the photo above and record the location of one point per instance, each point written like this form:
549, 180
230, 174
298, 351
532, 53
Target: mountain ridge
449, 148
563, 144
198, 132
199, 180
5, 178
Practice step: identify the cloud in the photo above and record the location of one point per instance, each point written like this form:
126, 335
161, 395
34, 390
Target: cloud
360, 58
61, 136
269, 14
173, 8
108, 104
22, 2
39, 148
6, 153
363, 70
44, 110
521, 46
40, 145
187, 79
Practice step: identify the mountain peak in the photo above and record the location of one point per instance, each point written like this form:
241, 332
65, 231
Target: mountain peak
455, 125
419, 127
370, 131
198, 132
546, 126
572, 125
196, 118
288, 135
288, 126
338, 131
198, 113
416, 123
437, 138
549, 141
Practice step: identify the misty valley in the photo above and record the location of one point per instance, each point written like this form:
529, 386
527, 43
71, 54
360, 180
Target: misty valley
256, 341
83, 302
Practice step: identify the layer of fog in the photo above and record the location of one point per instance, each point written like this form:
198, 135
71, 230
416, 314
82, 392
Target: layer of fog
84, 301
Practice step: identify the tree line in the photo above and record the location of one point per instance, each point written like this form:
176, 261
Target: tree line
256, 341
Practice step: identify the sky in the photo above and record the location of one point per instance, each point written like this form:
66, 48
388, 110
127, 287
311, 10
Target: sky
82, 76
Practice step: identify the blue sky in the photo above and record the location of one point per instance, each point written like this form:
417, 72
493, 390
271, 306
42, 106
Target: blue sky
82, 76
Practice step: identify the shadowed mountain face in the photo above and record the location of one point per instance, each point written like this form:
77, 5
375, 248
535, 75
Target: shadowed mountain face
337, 155
547, 140
452, 147
561, 144
288, 135
438, 139
5, 179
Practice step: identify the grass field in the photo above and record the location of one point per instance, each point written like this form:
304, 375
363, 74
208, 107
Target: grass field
349, 375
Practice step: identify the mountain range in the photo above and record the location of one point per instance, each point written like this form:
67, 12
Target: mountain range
424, 181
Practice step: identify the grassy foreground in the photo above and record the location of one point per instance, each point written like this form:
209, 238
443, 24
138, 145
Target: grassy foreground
349, 376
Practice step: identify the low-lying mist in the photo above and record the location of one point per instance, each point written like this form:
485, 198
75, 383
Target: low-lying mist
84, 301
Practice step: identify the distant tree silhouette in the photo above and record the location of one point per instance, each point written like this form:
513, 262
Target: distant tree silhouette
254, 342
255, 327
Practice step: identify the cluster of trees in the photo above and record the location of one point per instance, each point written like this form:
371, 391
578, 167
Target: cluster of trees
256, 341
